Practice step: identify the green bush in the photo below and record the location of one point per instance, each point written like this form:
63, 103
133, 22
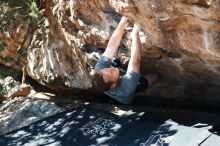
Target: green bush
6, 71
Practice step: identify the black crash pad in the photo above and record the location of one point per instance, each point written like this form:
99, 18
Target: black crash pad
82, 126
89, 125
168, 133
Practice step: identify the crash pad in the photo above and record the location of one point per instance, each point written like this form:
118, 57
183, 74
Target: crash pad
92, 125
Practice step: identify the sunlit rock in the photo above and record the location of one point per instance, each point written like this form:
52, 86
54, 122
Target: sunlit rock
20, 112
14, 43
12, 88
55, 61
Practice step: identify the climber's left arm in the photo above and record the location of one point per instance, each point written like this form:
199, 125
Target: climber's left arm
115, 39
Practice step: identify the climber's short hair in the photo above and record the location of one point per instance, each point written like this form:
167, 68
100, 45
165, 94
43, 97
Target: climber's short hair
99, 82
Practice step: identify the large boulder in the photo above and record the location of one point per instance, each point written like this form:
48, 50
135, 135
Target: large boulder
187, 37
180, 42
55, 60
62, 60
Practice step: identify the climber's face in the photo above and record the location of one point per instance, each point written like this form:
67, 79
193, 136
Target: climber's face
110, 75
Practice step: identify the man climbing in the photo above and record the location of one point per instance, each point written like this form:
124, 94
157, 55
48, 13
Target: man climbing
107, 77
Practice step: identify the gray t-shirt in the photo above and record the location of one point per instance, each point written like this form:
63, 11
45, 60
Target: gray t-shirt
125, 90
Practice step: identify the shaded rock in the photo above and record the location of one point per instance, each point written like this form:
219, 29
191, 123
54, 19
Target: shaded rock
20, 112
204, 3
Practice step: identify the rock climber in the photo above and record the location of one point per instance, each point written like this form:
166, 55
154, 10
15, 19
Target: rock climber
107, 77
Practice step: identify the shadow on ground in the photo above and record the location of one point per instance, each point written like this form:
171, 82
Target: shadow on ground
102, 124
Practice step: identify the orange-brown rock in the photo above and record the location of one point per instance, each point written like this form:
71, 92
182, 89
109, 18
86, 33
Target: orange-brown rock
188, 36
55, 60
14, 43
12, 88
180, 42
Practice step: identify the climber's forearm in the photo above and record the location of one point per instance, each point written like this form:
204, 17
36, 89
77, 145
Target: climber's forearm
136, 49
115, 39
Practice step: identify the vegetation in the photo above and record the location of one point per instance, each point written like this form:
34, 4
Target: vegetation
2, 46
17, 62
35, 14
1, 90
6, 71
10, 9
6, 58
6, 16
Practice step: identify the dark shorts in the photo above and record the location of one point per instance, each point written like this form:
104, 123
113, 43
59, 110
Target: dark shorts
142, 84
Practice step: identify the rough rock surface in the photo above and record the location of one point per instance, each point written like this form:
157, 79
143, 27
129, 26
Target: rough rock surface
12, 47
21, 111
60, 61
55, 60
188, 37
15, 36
12, 88
181, 42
